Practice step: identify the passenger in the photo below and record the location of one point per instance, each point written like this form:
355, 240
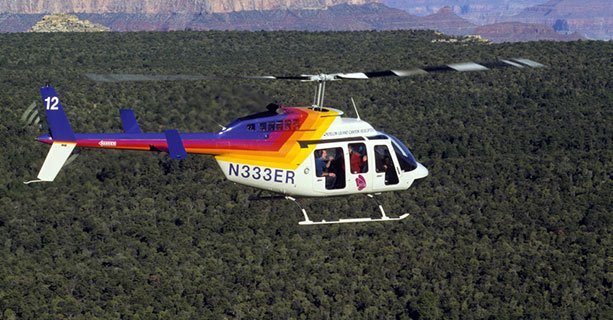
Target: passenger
338, 168
355, 160
364, 166
322, 166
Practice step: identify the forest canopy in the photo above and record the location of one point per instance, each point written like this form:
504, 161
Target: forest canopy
512, 222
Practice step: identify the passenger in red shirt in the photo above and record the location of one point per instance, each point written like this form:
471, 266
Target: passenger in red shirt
355, 160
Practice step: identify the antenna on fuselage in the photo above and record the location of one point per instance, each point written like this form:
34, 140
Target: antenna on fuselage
355, 108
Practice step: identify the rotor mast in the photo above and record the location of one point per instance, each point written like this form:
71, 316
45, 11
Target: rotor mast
320, 92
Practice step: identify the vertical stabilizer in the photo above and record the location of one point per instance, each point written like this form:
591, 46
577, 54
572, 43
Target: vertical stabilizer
56, 117
57, 156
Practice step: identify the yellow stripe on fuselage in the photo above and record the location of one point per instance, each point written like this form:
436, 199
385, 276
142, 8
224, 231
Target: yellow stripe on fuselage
290, 155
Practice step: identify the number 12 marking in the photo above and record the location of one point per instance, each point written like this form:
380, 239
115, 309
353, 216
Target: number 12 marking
51, 103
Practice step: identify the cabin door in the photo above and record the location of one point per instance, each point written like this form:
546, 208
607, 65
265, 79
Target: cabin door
385, 167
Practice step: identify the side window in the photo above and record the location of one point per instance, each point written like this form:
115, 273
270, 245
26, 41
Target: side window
358, 158
330, 163
384, 163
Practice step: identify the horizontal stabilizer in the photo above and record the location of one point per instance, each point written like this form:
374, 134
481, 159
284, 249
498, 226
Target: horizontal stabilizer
57, 156
176, 150
128, 121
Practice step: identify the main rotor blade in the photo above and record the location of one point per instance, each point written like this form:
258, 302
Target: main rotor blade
302, 78
454, 67
124, 77
134, 77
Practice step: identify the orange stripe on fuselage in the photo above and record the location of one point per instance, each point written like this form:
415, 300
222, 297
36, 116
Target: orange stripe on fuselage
290, 155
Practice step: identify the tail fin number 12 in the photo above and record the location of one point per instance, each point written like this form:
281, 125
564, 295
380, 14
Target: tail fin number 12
51, 103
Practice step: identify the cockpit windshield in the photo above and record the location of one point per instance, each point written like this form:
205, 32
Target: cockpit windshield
405, 158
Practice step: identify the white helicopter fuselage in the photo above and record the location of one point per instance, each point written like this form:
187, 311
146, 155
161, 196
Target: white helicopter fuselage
379, 163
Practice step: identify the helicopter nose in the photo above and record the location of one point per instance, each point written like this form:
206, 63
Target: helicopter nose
420, 171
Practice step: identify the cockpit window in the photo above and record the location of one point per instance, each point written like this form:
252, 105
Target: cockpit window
405, 158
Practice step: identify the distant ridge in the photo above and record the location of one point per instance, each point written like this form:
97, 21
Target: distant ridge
591, 18
594, 18
520, 32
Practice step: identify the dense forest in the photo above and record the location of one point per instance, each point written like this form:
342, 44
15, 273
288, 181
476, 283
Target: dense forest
513, 221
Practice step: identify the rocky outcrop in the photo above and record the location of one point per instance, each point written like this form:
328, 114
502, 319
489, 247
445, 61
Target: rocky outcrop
66, 23
163, 6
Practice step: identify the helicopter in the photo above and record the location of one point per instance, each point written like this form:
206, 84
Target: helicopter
297, 152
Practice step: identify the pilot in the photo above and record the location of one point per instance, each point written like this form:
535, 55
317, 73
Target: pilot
322, 164
390, 173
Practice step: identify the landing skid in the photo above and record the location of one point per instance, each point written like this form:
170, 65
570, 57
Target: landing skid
384, 217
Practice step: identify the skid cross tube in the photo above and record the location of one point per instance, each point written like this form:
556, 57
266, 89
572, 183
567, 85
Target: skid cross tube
306, 216
383, 216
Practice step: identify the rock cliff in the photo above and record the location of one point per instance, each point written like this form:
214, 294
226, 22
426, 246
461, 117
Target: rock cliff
163, 6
